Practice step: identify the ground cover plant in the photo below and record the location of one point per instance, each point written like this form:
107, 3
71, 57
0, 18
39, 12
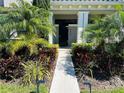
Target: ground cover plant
14, 88
116, 90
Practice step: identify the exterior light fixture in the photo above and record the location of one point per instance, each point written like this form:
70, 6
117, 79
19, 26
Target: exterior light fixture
88, 83
38, 82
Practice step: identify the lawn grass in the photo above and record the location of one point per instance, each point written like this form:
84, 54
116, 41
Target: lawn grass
117, 90
12, 88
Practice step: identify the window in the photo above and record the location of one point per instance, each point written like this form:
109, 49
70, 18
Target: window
1, 2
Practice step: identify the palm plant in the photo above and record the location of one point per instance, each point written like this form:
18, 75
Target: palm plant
107, 32
29, 22
27, 18
45, 4
94, 31
104, 29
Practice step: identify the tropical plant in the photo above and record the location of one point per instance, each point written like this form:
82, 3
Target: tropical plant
4, 10
96, 62
32, 44
82, 59
45, 4
28, 19
31, 72
11, 68
104, 29
28, 25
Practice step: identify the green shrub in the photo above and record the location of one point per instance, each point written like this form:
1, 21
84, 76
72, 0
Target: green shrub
10, 66
32, 45
87, 46
81, 54
50, 53
97, 62
29, 45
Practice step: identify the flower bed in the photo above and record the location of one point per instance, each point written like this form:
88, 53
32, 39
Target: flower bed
14, 66
96, 63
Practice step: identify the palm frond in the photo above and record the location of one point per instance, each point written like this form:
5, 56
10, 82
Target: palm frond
105, 28
45, 4
27, 18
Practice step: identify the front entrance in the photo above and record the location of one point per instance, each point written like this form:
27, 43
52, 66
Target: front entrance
64, 31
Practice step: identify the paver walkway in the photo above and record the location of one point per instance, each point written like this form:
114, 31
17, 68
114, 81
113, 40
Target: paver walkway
64, 80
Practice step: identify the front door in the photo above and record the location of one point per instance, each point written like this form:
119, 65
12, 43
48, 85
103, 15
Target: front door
64, 31
63, 34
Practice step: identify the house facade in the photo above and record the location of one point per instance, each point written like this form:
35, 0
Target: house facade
71, 17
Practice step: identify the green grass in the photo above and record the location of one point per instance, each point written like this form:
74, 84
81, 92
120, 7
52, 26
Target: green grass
117, 90
12, 88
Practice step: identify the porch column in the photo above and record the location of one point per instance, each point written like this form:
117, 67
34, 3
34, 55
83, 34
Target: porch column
50, 34
82, 23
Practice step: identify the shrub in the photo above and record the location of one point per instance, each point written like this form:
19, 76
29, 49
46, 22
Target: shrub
32, 45
29, 44
97, 61
11, 66
87, 46
50, 54
82, 58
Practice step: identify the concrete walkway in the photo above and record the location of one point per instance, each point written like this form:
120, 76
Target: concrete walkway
64, 80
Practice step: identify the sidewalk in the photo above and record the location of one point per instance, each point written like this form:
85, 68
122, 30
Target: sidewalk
64, 80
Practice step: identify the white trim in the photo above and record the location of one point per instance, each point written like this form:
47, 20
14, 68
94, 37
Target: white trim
50, 34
